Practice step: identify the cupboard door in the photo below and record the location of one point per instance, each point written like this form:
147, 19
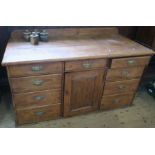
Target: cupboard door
83, 91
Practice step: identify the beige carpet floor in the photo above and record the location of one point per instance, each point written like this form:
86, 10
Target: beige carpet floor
140, 115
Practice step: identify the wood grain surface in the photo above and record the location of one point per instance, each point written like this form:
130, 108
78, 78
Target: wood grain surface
128, 86
35, 69
35, 99
124, 73
73, 72
130, 62
116, 101
33, 115
96, 43
36, 83
85, 64
83, 91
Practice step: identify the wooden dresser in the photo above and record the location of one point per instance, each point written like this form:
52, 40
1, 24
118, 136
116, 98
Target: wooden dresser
78, 71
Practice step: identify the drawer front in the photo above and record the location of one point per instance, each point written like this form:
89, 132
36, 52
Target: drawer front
130, 62
38, 114
85, 64
124, 74
36, 83
35, 99
35, 69
116, 101
121, 87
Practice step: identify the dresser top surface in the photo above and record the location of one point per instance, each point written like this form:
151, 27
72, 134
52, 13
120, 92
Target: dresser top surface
105, 46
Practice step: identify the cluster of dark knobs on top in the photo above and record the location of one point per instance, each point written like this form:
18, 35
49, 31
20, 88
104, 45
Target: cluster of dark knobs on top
35, 36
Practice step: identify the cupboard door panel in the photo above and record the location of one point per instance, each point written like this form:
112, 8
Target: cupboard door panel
83, 91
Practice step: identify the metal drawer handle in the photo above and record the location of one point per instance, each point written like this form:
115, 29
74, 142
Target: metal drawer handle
40, 113
125, 73
37, 68
86, 65
38, 98
131, 62
121, 87
115, 101
38, 82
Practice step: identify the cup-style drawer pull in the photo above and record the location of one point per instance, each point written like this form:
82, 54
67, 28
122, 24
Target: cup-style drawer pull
115, 101
86, 65
121, 87
37, 82
125, 73
131, 62
37, 68
38, 98
40, 113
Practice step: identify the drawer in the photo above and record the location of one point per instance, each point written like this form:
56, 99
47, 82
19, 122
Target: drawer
116, 101
121, 87
35, 69
36, 83
34, 115
130, 62
85, 64
124, 73
35, 99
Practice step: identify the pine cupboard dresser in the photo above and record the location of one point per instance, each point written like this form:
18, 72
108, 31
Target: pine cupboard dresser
79, 70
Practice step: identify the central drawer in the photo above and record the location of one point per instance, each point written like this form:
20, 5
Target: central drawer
36, 83
121, 86
48, 97
85, 64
